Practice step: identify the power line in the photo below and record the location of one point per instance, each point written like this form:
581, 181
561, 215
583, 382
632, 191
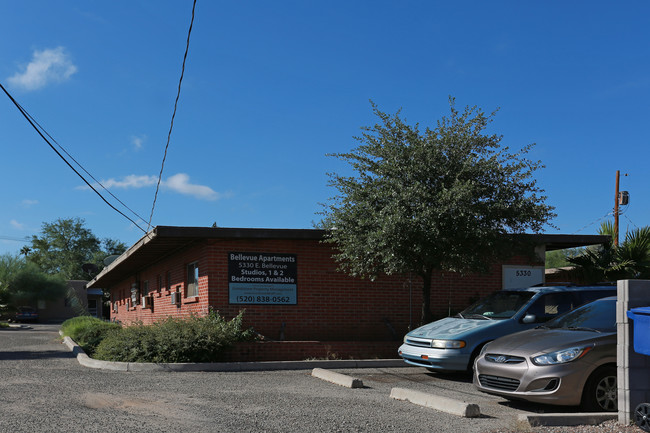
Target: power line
79, 164
11, 238
28, 117
592, 223
171, 126
632, 222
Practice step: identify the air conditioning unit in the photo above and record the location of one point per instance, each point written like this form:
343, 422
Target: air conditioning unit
147, 302
176, 298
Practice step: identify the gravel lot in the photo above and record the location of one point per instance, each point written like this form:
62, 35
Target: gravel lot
44, 389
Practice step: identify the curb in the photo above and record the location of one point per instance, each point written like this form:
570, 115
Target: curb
567, 419
337, 378
15, 327
89, 362
439, 403
443, 404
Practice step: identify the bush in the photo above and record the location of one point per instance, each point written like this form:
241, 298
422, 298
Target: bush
191, 339
88, 331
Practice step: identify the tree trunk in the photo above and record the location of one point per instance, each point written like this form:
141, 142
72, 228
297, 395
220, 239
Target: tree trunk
427, 316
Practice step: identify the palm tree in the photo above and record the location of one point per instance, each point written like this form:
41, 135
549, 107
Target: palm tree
608, 262
633, 255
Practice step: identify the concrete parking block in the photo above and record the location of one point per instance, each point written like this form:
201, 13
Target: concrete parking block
443, 404
337, 378
567, 419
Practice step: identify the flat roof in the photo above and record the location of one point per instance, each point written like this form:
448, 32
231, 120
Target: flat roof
163, 241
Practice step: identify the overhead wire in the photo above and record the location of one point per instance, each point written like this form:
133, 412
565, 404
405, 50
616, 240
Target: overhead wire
80, 165
171, 126
11, 238
594, 222
36, 128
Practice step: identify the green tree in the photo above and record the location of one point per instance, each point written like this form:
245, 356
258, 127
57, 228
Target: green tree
608, 262
23, 283
444, 199
66, 244
10, 266
30, 285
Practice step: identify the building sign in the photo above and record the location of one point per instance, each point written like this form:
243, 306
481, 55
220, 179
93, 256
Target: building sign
521, 277
262, 278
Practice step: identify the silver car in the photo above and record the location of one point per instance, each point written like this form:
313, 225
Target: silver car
570, 360
453, 343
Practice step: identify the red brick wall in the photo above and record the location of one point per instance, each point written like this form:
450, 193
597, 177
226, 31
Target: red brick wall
330, 305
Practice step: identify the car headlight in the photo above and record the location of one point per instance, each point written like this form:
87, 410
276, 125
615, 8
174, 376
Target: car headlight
447, 344
484, 349
561, 356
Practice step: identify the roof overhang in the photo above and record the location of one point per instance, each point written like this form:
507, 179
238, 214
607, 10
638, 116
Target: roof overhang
560, 242
163, 241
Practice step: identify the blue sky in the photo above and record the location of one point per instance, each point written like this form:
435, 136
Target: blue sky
271, 87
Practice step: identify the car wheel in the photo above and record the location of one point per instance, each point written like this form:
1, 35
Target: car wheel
642, 416
475, 353
600, 393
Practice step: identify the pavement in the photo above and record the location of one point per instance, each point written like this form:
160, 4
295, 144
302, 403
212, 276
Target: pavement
322, 369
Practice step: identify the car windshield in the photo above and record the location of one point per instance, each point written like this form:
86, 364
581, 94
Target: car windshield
499, 305
597, 316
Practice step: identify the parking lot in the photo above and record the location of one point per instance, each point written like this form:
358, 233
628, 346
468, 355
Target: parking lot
45, 389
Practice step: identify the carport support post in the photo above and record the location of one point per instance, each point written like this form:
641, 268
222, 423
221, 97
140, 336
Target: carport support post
633, 373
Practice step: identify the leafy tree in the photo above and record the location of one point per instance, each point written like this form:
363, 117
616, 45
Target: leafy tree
30, 285
23, 283
66, 244
608, 262
10, 266
443, 199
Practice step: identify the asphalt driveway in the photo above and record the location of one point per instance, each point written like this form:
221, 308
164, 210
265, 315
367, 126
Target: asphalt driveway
43, 388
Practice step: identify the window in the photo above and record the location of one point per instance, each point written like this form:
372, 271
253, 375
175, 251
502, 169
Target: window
144, 294
159, 283
92, 307
551, 305
168, 280
192, 280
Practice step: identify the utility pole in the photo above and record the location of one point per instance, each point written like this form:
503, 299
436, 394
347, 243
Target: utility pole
618, 176
621, 198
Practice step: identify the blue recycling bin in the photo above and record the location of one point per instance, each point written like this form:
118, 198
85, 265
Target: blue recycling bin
641, 318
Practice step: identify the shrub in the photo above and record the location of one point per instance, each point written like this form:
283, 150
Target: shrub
191, 339
88, 331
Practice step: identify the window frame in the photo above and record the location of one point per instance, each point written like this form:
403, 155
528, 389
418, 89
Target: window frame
192, 280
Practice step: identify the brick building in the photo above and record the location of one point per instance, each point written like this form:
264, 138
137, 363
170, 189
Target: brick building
289, 286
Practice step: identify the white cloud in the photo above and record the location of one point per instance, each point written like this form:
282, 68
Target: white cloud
47, 66
29, 203
180, 183
138, 141
15, 224
131, 181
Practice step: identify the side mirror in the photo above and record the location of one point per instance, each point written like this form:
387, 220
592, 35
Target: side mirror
529, 318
